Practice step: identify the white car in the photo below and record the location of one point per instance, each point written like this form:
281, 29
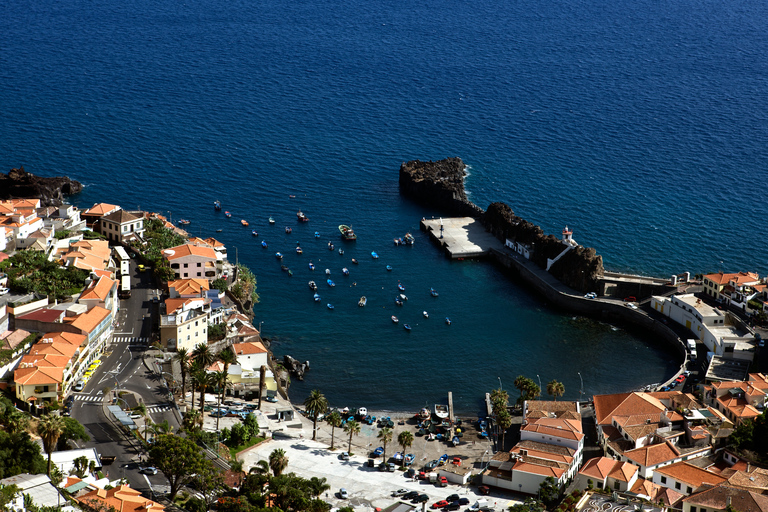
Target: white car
4, 291
79, 386
343, 493
148, 471
631, 306
591, 295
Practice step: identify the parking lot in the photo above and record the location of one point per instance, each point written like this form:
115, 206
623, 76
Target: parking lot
367, 486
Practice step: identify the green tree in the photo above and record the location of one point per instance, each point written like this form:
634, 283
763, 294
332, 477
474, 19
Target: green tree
278, 461
555, 389
549, 491
227, 358
192, 422
499, 400
316, 404
529, 505
251, 424
80, 466
219, 381
405, 439
203, 355
73, 431
334, 420
529, 390
210, 482
504, 421
184, 360
19, 454
353, 429
385, 435
178, 458
7, 495
50, 428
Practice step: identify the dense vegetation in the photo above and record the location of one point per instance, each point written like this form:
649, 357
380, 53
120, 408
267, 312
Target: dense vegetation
751, 438
245, 287
159, 238
30, 271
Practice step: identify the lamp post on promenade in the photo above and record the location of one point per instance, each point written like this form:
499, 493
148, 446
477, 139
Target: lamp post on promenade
500, 386
537, 376
581, 390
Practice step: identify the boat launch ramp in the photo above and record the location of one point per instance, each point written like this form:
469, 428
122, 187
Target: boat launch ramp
461, 237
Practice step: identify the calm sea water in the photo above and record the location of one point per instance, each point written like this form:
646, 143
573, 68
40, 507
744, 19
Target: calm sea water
642, 125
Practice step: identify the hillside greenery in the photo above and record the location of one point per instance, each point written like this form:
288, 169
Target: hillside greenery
30, 271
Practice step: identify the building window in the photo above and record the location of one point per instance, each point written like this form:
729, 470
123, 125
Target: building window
678, 486
615, 485
689, 491
663, 479
199, 264
186, 265
198, 274
599, 485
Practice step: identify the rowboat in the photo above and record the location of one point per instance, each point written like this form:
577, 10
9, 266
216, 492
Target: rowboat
347, 233
362, 302
447, 320
298, 250
433, 292
389, 268
394, 319
400, 287
217, 205
345, 271
330, 306
426, 315
409, 240
254, 233
407, 327
330, 283
227, 214
278, 256
302, 218
312, 286
264, 244
374, 255
288, 229
441, 411
317, 298
311, 266
271, 220
341, 252
317, 234
244, 222
354, 261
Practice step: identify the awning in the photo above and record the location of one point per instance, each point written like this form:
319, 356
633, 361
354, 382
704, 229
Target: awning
31, 399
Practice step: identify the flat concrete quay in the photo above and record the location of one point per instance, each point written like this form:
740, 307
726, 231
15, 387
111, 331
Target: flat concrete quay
461, 237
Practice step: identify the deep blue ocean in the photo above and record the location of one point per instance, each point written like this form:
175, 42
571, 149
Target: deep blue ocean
640, 124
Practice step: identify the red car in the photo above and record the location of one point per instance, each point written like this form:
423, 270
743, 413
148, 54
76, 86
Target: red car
680, 378
440, 504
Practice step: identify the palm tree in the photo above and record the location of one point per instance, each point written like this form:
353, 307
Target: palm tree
219, 380
385, 435
227, 358
50, 428
184, 359
205, 380
318, 486
555, 389
405, 439
142, 409
194, 368
352, 428
499, 400
16, 422
504, 421
261, 468
316, 404
202, 354
192, 420
334, 419
278, 461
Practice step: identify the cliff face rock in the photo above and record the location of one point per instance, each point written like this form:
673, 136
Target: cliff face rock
18, 184
439, 184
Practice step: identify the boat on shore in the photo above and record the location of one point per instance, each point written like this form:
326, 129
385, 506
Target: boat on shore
217, 205
271, 220
330, 283
244, 222
374, 255
394, 319
425, 413
362, 302
301, 217
347, 233
441, 411
312, 286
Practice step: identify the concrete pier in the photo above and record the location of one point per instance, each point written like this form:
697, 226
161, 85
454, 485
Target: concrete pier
461, 237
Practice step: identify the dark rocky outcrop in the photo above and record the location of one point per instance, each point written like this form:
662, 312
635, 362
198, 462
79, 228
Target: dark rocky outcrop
441, 184
294, 367
18, 184
438, 184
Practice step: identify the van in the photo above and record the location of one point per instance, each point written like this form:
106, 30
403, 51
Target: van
691, 346
479, 503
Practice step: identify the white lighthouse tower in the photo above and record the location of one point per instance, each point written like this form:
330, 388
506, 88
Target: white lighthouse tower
568, 237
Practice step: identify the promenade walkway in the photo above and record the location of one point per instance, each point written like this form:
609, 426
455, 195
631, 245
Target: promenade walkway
462, 237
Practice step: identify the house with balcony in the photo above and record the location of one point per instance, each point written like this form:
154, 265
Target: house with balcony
192, 261
723, 497
551, 445
91, 255
218, 247
719, 286
685, 478
122, 226
101, 292
21, 222
96, 325
188, 288
184, 323
739, 400
93, 215
62, 218
42, 373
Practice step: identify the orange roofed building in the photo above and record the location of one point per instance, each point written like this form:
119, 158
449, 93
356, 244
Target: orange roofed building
739, 400
192, 261
607, 473
120, 499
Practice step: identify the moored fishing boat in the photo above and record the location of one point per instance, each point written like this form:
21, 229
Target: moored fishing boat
227, 214
316, 297
398, 302
409, 240
426, 315
311, 266
447, 320
271, 220
327, 271
433, 292
183, 222
399, 241
312, 286
407, 327
345, 271
330, 246
394, 319
299, 250
301, 217
217, 205
347, 233
403, 297
254, 233
288, 229
330, 283
244, 222
441, 411
400, 287
278, 255
374, 255
264, 244
362, 302
329, 305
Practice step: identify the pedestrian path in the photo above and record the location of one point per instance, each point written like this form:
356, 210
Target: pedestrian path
158, 408
130, 339
89, 398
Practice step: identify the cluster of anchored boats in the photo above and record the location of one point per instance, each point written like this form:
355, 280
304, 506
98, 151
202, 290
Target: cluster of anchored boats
347, 234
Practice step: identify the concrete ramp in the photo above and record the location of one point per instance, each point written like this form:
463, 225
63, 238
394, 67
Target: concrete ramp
462, 237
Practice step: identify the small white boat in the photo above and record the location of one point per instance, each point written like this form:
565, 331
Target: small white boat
312, 286
327, 271
395, 319
362, 412
345, 271
278, 256
271, 220
362, 302
426, 315
317, 297
441, 411
311, 266
402, 296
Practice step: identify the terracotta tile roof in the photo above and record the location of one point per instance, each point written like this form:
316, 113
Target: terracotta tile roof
545, 447
625, 404
11, 339
550, 408
740, 277
189, 286
563, 433
214, 243
543, 454
45, 359
88, 321
755, 480
38, 375
100, 290
120, 217
66, 337
690, 474
641, 431
100, 209
45, 346
186, 250
174, 306
44, 315
719, 497
122, 499
603, 467
536, 469
247, 348
653, 455
637, 419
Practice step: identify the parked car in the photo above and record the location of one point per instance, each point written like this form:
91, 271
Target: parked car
483, 489
452, 498
79, 386
680, 378
439, 504
400, 492
412, 495
631, 298
453, 506
344, 456
4, 291
631, 306
378, 452
463, 501
271, 398
421, 498
391, 467
343, 494
591, 295
431, 464
148, 470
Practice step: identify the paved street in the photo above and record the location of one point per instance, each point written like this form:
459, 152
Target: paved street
123, 368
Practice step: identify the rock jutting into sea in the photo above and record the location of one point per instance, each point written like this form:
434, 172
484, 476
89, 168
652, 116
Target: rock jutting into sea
440, 184
19, 184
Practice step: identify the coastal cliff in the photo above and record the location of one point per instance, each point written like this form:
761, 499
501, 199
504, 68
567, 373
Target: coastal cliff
18, 184
440, 184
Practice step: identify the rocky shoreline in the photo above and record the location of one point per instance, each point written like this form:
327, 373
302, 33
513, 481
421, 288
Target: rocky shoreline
20, 184
440, 184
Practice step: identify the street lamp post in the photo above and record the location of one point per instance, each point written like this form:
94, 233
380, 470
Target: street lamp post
537, 376
500, 386
581, 389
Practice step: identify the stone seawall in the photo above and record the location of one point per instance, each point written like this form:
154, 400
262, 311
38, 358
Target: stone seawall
605, 310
